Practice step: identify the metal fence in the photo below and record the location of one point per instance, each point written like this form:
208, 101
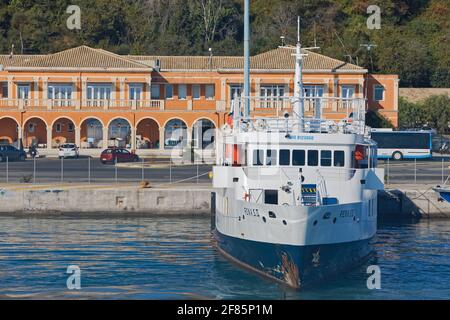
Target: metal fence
90, 171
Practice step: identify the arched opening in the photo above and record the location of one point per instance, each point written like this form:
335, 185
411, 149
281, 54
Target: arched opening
63, 131
9, 132
91, 134
35, 133
175, 134
147, 134
119, 134
204, 134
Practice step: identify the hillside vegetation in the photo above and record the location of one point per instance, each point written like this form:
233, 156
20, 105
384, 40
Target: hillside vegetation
414, 39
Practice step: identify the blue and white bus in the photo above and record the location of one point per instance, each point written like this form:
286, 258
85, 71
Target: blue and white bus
400, 145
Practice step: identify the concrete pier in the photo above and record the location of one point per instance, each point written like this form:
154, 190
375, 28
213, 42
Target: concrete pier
124, 200
411, 202
395, 203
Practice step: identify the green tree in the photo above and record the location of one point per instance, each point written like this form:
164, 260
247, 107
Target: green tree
410, 114
438, 112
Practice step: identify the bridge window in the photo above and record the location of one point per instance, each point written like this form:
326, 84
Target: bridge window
339, 158
313, 158
271, 196
325, 158
298, 157
271, 159
285, 157
258, 157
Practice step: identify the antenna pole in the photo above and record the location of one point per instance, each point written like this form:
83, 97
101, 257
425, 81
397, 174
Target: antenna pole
247, 59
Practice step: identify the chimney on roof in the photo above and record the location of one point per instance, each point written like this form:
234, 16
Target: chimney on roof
12, 52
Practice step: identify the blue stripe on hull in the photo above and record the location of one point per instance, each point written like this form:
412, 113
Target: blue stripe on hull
296, 266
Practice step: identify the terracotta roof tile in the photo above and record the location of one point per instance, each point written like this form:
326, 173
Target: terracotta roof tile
81, 57
277, 59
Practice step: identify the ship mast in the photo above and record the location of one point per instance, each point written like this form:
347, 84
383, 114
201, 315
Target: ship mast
299, 107
247, 59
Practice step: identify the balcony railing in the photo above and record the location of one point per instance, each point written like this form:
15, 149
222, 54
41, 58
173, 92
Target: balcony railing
74, 104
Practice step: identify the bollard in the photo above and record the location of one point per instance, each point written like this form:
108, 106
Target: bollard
62, 170
388, 171
115, 168
143, 176
415, 170
34, 170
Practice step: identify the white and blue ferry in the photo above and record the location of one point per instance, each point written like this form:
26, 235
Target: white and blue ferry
296, 196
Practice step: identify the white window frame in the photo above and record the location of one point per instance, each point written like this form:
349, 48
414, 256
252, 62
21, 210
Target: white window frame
378, 86
21, 86
136, 88
181, 88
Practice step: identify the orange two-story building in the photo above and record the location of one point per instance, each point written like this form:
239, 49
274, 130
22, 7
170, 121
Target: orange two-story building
96, 99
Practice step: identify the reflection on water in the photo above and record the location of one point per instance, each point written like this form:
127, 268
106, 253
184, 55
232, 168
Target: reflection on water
172, 258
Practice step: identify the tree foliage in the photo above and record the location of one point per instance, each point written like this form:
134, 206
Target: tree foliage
414, 39
433, 112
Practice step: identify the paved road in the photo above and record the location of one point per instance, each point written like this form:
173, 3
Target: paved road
76, 171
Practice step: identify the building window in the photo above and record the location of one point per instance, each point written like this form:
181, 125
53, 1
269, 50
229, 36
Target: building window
209, 91
70, 127
269, 94
182, 91
156, 94
58, 128
5, 90
378, 93
135, 91
347, 92
313, 91
31, 127
169, 91
99, 91
23, 91
235, 91
196, 91
60, 91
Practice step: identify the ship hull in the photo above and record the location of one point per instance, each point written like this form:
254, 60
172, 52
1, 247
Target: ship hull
293, 265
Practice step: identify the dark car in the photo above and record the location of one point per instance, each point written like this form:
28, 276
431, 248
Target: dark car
113, 155
11, 153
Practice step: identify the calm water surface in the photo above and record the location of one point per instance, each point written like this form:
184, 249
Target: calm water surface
172, 258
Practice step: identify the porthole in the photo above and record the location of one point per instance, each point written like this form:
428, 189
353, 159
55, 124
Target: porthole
264, 219
334, 220
315, 223
284, 222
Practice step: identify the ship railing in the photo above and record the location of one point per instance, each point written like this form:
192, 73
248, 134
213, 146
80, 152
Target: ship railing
321, 114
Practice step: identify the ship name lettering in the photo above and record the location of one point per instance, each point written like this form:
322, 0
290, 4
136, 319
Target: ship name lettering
347, 213
251, 212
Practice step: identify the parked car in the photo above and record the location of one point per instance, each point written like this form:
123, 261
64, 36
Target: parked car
68, 150
11, 153
112, 155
